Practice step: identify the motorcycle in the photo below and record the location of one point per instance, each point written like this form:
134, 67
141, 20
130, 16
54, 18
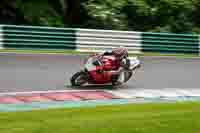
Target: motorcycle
128, 66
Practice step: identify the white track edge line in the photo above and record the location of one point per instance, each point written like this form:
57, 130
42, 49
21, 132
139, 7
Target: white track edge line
48, 91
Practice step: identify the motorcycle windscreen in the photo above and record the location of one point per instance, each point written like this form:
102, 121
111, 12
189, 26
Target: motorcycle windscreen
91, 64
134, 62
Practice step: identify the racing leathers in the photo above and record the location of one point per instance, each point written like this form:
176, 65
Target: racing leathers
110, 65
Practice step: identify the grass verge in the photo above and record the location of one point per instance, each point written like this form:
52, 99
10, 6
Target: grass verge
73, 52
131, 118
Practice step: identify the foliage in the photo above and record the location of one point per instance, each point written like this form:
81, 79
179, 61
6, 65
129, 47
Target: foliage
106, 14
40, 13
178, 16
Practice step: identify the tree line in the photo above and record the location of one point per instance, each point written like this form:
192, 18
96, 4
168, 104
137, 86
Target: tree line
177, 16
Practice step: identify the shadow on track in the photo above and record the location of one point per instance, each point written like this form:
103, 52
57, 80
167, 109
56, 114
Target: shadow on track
96, 87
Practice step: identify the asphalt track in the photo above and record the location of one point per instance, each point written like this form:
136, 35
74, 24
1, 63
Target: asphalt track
31, 72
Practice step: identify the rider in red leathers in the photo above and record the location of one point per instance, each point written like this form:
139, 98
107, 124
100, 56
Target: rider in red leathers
110, 65
113, 67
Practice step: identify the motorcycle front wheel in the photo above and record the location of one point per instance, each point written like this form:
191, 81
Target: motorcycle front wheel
128, 75
79, 79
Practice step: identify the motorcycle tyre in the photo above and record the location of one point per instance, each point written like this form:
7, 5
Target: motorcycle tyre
75, 76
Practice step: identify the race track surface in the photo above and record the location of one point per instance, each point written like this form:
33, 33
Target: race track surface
31, 72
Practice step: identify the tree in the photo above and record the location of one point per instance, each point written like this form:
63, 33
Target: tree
105, 14
178, 16
9, 12
72, 11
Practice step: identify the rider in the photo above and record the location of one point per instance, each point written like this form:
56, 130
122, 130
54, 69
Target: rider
111, 62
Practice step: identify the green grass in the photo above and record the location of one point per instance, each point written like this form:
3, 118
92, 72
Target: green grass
38, 51
72, 52
132, 118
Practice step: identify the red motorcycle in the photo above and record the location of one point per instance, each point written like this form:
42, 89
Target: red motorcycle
114, 68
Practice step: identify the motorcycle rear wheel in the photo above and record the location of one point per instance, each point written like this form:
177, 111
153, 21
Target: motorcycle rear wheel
79, 79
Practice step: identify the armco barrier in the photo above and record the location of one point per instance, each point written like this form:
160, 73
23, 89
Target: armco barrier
95, 40
91, 40
171, 43
199, 44
38, 37
1, 37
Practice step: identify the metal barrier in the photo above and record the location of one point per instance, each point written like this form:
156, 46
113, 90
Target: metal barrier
97, 40
92, 40
1, 37
38, 37
170, 43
